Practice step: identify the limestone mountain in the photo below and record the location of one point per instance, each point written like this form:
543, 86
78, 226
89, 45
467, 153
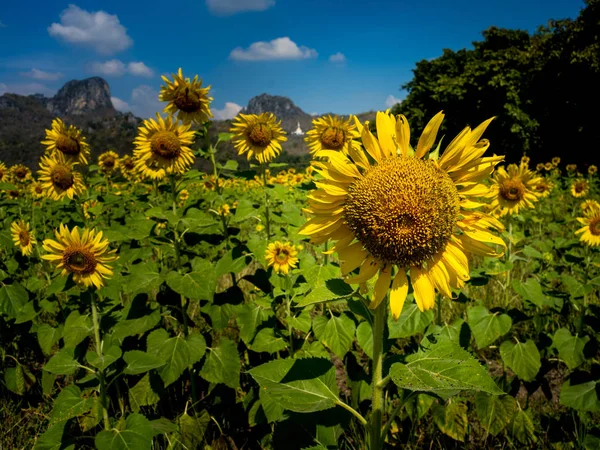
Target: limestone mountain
78, 97
283, 108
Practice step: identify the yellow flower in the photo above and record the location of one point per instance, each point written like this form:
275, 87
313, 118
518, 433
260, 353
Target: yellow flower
282, 256
539, 167
393, 210
20, 173
592, 170
259, 227
187, 98
37, 190
13, 194
525, 159
85, 255
548, 166
58, 177
543, 188
224, 210
86, 206
513, 190
67, 141
162, 147
127, 167
108, 162
571, 167
258, 136
184, 195
23, 237
3, 172
588, 205
580, 188
590, 232
555, 161
331, 133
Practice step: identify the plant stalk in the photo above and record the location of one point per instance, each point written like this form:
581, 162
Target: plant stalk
267, 215
376, 419
100, 372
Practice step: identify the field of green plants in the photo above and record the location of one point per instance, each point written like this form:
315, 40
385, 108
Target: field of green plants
147, 305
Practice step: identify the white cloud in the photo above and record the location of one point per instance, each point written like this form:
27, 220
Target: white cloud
391, 101
120, 105
229, 112
280, 48
97, 30
113, 67
3, 88
228, 7
26, 89
37, 74
337, 58
144, 102
139, 69
2, 25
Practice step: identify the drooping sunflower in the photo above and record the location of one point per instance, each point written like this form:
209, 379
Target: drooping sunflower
108, 162
571, 168
127, 167
85, 255
23, 237
67, 141
548, 166
556, 161
187, 98
20, 173
580, 188
162, 147
258, 136
525, 159
543, 188
592, 170
513, 190
331, 133
590, 232
393, 211
540, 167
282, 256
59, 178
3, 172
588, 205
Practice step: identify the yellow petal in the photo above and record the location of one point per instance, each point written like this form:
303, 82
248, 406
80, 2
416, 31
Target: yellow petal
429, 135
381, 286
402, 134
351, 257
367, 271
398, 293
386, 133
371, 144
423, 288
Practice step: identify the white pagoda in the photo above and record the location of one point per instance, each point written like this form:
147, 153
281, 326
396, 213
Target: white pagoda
298, 131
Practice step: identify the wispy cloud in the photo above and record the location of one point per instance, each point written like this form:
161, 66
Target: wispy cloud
2, 25
120, 105
117, 68
337, 58
228, 112
144, 101
140, 69
97, 30
229, 7
391, 101
280, 48
26, 89
37, 74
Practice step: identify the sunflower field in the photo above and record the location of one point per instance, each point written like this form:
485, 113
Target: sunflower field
397, 293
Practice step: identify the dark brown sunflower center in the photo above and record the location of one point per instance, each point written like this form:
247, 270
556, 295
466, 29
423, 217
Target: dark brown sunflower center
38, 189
21, 172
187, 100
579, 187
512, 190
109, 162
68, 145
79, 260
542, 187
333, 138
24, 238
62, 177
165, 144
260, 134
13, 194
595, 226
403, 211
128, 164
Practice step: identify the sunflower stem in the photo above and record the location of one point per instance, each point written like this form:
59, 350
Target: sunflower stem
376, 419
267, 216
288, 304
100, 372
212, 152
508, 255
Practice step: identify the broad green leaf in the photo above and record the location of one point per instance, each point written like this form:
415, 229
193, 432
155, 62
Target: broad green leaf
364, 336
54, 438
334, 289
249, 317
132, 327
62, 363
12, 299
317, 275
245, 209
574, 287
197, 347
109, 356
411, 321
48, 337
452, 420
135, 435
457, 332
14, 377
174, 352
523, 358
70, 403
301, 322
192, 429
196, 285
141, 362
522, 428
266, 341
222, 364
445, 369
144, 278
582, 397
570, 348
142, 394
494, 411
531, 291
338, 334
93, 417
300, 385
419, 405
272, 409
487, 327
230, 264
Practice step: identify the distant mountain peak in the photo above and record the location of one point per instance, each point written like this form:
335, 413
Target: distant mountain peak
79, 97
283, 108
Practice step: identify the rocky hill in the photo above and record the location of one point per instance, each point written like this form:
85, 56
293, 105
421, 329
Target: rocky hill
284, 108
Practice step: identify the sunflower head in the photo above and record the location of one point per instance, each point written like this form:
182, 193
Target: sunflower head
590, 232
20, 174
513, 189
543, 188
187, 98
108, 162
259, 136
67, 141
548, 166
580, 188
555, 161
331, 133
3, 172
571, 168
588, 205
525, 159
162, 147
592, 170
13, 194
540, 167
282, 256
58, 177
22, 237
37, 190
83, 254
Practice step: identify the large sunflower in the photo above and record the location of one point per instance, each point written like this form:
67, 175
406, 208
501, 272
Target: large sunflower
588, 205
393, 211
67, 141
331, 133
187, 98
23, 237
59, 178
108, 162
282, 256
590, 232
580, 188
162, 147
513, 189
259, 136
85, 255
127, 167
20, 173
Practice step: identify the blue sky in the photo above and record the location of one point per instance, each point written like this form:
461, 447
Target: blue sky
341, 56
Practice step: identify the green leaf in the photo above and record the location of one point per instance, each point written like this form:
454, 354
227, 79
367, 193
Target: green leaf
192, 429
300, 385
222, 364
334, 289
197, 346
364, 336
92, 418
12, 299
411, 321
522, 428
141, 362
266, 341
223, 137
494, 412
15, 379
142, 394
135, 435
174, 352
77, 328
523, 358
109, 356
62, 363
144, 278
570, 348
245, 209
197, 285
338, 334
70, 403
574, 287
452, 420
487, 327
249, 317
48, 337
229, 264
445, 369
532, 292
54, 439
301, 322
132, 327
582, 397
272, 409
